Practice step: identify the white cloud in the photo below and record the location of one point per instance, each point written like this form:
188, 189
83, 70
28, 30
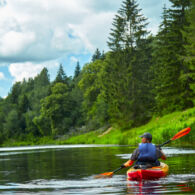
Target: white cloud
27, 70
2, 76
24, 70
44, 30
15, 42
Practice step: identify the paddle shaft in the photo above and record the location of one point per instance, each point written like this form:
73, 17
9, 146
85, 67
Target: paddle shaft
164, 143
117, 169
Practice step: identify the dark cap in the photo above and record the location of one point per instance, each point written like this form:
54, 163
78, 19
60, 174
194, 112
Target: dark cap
147, 136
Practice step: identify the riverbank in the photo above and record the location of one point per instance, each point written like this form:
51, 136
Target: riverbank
162, 130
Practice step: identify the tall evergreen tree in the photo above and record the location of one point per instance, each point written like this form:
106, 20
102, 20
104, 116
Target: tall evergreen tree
42, 79
129, 27
97, 55
172, 91
61, 76
77, 70
115, 40
127, 73
189, 58
40, 90
15, 93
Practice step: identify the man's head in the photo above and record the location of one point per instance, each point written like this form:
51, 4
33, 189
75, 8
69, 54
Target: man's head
146, 137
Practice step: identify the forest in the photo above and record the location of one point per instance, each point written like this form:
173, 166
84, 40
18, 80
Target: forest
141, 76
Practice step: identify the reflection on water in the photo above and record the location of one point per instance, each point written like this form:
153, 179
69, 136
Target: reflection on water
162, 186
115, 185
87, 185
71, 170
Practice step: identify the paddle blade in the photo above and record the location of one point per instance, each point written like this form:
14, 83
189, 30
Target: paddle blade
181, 133
104, 175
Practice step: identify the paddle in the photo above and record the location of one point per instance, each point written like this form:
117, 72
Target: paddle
107, 174
176, 136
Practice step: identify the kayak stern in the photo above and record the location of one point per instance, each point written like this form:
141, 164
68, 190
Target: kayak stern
148, 174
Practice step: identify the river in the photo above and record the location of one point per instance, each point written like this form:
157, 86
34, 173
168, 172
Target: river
70, 169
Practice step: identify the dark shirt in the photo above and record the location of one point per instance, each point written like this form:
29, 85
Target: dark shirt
135, 154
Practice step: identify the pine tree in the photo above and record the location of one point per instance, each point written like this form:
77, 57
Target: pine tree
129, 27
61, 76
77, 70
171, 90
42, 79
41, 85
127, 73
162, 73
97, 55
15, 92
189, 59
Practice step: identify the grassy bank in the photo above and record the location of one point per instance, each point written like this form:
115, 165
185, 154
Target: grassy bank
162, 130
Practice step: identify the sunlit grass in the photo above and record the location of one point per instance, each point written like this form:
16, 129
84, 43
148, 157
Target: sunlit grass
162, 130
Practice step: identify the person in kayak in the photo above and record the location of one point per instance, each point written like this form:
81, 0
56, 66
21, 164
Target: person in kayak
147, 154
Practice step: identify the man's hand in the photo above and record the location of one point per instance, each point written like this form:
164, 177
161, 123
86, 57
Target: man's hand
127, 164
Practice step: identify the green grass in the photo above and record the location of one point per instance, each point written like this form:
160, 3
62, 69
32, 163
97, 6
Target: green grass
162, 130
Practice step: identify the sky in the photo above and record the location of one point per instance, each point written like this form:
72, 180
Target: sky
45, 33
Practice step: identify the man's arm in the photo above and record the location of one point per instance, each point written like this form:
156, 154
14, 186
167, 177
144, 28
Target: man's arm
163, 156
133, 158
160, 154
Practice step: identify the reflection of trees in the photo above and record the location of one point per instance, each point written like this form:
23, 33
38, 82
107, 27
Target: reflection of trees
72, 163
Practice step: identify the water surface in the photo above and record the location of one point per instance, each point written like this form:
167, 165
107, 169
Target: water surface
70, 169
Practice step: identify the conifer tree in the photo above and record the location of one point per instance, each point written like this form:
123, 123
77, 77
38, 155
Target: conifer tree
61, 76
189, 58
42, 79
127, 72
77, 70
129, 27
97, 55
172, 91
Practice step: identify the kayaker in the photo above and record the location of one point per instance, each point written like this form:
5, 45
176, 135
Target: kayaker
147, 154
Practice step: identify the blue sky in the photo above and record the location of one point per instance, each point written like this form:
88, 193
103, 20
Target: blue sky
36, 34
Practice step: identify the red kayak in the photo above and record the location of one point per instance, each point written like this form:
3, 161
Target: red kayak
149, 173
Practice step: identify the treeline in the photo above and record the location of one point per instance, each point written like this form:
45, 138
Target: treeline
141, 76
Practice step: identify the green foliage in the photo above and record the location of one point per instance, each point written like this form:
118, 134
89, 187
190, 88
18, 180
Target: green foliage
57, 107
12, 124
171, 88
189, 58
93, 103
97, 55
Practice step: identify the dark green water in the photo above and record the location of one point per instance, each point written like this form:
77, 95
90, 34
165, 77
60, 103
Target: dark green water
71, 170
